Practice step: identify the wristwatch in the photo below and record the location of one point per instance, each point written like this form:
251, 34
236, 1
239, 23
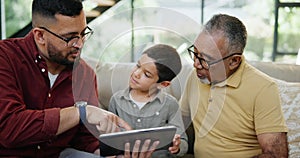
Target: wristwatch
81, 105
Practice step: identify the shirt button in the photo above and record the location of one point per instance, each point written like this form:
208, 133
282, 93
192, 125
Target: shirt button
210, 100
38, 147
35, 61
134, 106
157, 113
40, 57
49, 95
43, 70
138, 120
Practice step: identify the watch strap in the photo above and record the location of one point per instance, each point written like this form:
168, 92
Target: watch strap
81, 105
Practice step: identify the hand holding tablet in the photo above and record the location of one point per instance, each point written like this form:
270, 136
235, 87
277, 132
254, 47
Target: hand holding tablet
114, 143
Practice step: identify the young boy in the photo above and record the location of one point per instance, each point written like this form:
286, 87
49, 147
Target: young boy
144, 105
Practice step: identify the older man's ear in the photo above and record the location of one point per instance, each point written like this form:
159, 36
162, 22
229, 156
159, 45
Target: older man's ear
235, 62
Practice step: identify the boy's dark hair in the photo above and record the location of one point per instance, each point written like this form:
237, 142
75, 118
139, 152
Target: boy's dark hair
48, 8
167, 61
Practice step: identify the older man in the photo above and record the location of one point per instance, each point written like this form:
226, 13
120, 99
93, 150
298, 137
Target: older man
235, 109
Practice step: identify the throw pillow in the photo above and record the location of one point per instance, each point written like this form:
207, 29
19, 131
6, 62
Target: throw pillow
290, 99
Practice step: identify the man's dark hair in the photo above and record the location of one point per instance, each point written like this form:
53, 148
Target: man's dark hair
234, 30
167, 61
48, 8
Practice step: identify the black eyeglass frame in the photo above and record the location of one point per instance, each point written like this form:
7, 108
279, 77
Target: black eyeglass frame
208, 63
67, 40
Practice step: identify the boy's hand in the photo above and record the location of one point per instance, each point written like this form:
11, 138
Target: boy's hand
176, 142
144, 151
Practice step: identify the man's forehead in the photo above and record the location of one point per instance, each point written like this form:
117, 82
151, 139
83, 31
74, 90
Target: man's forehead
202, 39
209, 44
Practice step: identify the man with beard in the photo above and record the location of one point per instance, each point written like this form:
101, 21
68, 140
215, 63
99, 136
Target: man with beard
235, 109
41, 79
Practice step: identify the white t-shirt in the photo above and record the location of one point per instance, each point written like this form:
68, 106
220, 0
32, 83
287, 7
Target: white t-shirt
52, 78
139, 104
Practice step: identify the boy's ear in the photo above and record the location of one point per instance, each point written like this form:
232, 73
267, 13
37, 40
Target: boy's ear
164, 84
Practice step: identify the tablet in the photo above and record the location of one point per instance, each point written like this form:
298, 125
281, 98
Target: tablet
114, 143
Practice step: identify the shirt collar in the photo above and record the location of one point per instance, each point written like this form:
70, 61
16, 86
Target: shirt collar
158, 96
31, 42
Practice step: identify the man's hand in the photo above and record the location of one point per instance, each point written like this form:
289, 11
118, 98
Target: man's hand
273, 145
97, 152
105, 121
176, 142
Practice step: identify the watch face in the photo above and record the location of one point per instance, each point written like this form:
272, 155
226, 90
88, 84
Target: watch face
80, 103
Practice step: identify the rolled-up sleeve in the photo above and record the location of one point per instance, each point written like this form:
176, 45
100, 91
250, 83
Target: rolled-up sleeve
51, 121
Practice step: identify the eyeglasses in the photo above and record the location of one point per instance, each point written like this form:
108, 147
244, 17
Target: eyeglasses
206, 64
72, 41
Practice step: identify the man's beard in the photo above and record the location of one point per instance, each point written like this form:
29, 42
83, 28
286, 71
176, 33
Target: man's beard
57, 57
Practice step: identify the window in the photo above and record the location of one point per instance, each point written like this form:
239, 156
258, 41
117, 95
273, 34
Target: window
17, 15
121, 37
286, 31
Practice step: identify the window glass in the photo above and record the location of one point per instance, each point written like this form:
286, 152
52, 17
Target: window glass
288, 33
175, 22
17, 15
112, 39
290, 1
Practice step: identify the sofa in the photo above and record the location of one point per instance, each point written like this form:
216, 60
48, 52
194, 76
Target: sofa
112, 77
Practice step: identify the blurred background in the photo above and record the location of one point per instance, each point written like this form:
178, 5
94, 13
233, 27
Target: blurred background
124, 28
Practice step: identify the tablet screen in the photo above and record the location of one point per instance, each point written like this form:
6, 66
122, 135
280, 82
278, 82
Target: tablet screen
114, 143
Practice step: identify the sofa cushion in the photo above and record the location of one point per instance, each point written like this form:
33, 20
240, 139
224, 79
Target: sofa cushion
286, 72
111, 77
290, 99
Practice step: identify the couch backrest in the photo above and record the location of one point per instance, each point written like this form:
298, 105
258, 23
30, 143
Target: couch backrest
112, 77
286, 72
